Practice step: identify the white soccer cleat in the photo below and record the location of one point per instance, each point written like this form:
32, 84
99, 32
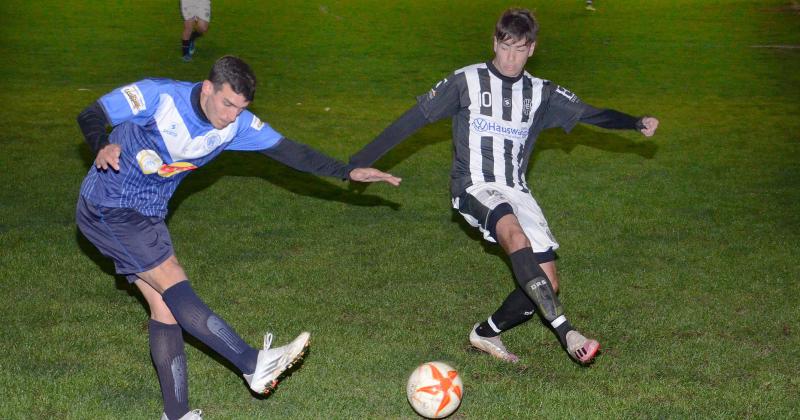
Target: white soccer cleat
491, 345
195, 414
581, 348
272, 363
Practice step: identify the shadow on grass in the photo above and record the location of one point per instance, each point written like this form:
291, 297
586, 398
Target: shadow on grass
256, 165
607, 141
424, 138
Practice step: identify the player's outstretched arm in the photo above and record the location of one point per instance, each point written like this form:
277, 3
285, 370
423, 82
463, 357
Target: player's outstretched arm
402, 128
373, 175
612, 119
304, 158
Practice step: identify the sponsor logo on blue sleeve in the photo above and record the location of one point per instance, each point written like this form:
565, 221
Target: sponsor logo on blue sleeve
135, 98
256, 123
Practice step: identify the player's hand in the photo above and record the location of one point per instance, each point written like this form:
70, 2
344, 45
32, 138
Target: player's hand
373, 175
108, 157
650, 125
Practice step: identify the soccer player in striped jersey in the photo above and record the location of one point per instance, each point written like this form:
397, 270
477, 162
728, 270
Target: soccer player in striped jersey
164, 130
498, 110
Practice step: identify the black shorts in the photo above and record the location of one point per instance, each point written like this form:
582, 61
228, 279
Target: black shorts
135, 242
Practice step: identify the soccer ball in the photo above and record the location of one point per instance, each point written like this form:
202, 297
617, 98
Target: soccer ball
434, 390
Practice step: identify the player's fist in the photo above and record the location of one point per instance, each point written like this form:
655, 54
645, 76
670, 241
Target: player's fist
108, 157
650, 125
373, 175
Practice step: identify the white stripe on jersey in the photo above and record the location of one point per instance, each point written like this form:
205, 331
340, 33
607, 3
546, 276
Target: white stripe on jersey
498, 143
180, 144
474, 86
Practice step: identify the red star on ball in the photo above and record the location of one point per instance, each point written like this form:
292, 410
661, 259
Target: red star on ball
445, 385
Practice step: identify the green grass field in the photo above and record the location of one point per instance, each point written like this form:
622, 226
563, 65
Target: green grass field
679, 252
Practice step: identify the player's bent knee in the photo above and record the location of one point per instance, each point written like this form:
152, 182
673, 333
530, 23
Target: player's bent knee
513, 240
502, 209
164, 275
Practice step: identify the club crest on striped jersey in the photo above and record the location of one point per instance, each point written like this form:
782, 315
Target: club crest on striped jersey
527, 103
134, 98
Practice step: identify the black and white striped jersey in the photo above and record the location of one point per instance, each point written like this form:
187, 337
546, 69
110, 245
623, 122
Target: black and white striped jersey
496, 120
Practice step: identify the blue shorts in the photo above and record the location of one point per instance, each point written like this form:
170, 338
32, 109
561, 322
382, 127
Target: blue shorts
137, 243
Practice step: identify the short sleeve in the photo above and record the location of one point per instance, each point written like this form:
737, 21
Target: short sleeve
444, 99
136, 102
253, 134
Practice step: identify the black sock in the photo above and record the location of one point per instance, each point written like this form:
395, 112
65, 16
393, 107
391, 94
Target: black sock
516, 309
561, 332
185, 46
486, 330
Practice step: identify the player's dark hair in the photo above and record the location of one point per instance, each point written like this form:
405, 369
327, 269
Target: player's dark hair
235, 72
516, 24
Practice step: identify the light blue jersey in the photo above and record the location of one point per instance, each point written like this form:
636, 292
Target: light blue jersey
160, 121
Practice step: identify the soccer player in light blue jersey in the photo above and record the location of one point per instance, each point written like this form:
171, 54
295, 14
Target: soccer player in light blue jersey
162, 131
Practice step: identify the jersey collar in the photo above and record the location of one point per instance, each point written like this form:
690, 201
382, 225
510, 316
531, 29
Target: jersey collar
497, 73
195, 99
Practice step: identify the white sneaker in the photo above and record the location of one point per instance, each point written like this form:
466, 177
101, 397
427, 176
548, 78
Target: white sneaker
491, 345
196, 414
581, 348
272, 363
